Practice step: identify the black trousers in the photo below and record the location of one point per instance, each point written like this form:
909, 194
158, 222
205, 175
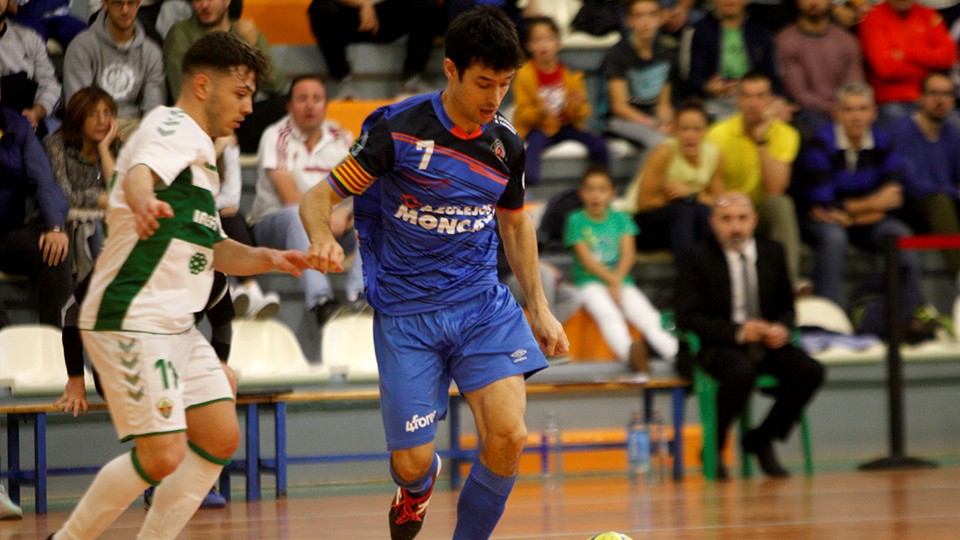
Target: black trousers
800, 377
20, 254
335, 26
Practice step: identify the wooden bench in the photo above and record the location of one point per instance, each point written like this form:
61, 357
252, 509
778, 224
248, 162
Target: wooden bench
36, 414
253, 465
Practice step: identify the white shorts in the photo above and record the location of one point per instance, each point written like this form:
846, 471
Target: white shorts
150, 380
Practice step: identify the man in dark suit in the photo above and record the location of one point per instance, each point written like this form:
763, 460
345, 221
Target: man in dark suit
734, 292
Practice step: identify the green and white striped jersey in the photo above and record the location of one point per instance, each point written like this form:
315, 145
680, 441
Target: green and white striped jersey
156, 285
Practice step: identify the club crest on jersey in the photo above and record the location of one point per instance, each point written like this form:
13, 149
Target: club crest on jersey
165, 406
359, 144
499, 150
198, 263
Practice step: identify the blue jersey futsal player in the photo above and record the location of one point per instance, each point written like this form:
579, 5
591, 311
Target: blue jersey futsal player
432, 176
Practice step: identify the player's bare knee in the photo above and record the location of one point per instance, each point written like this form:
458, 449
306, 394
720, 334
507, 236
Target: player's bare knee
507, 439
412, 463
220, 445
159, 462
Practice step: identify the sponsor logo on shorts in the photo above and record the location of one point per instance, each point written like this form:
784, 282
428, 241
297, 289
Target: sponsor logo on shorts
165, 406
519, 356
418, 421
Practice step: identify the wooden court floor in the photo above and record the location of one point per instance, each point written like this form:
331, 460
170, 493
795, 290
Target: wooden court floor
849, 505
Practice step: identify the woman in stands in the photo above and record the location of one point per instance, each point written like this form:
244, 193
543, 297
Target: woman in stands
82, 153
672, 194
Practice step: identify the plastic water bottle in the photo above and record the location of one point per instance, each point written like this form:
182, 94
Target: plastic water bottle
658, 450
551, 448
638, 449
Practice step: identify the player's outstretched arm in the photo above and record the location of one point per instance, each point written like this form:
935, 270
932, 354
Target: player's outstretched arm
520, 244
236, 259
138, 188
316, 208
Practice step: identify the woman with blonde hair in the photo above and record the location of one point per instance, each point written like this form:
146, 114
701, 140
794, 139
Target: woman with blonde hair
671, 195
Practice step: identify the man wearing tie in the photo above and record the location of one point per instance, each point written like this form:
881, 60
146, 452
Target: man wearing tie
734, 292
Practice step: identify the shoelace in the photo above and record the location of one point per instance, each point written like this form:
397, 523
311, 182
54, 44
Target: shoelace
407, 512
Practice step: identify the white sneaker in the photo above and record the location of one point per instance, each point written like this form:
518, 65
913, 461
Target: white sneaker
8, 510
267, 307
241, 300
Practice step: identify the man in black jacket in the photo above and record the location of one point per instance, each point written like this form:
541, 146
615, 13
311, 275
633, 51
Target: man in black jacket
734, 292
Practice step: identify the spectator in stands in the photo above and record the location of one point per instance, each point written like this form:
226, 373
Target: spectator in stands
115, 55
640, 71
82, 154
28, 82
673, 191
603, 245
852, 193
249, 301
551, 100
211, 16
49, 18
32, 245
724, 47
173, 11
735, 293
337, 23
930, 148
296, 153
758, 151
903, 42
817, 57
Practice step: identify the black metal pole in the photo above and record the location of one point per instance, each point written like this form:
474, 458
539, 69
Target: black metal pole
897, 458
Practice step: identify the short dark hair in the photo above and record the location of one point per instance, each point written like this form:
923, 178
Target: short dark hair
80, 106
307, 77
628, 4
486, 36
528, 25
692, 104
755, 75
933, 75
222, 51
597, 169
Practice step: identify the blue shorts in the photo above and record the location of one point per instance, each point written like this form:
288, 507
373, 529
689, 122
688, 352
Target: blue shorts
475, 344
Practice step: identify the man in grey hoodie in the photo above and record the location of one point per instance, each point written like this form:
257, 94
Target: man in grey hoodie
115, 55
29, 82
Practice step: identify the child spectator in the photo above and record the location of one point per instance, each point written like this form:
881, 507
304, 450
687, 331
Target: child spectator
673, 192
551, 100
640, 71
82, 154
602, 240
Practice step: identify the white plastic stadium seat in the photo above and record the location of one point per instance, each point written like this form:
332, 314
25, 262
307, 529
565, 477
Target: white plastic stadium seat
266, 353
821, 312
31, 361
348, 347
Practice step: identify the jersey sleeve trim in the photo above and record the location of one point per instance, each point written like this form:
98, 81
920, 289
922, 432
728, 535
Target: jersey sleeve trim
350, 178
512, 210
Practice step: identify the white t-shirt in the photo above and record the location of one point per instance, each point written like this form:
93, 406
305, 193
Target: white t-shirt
156, 285
283, 147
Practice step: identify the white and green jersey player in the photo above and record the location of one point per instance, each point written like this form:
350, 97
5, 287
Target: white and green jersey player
156, 285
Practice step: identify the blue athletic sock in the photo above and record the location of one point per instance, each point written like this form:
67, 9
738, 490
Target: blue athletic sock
419, 486
482, 502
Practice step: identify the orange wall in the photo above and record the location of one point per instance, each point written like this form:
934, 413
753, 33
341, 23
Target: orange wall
283, 22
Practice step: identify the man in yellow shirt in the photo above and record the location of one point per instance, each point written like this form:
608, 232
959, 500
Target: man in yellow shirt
757, 153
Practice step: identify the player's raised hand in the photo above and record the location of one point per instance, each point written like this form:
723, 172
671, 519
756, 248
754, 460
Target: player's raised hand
291, 261
148, 214
549, 333
326, 256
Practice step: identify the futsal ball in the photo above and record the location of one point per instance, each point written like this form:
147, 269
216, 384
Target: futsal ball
610, 536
